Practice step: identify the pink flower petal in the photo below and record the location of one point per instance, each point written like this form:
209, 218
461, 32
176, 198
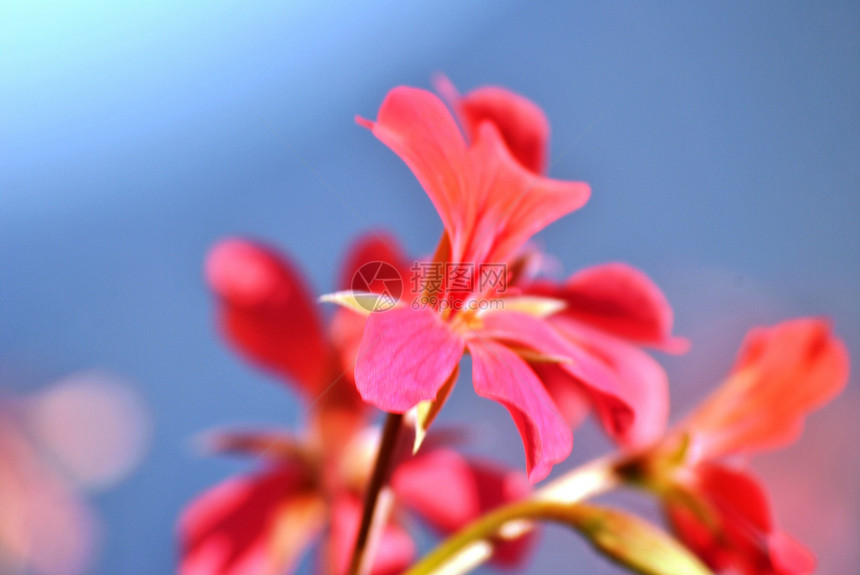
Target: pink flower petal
569, 396
470, 489
521, 122
347, 329
511, 203
643, 381
616, 410
417, 126
267, 312
499, 374
621, 300
405, 357
488, 202
782, 373
347, 326
240, 527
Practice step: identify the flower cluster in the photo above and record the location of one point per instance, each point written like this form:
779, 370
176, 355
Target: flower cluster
549, 351
310, 484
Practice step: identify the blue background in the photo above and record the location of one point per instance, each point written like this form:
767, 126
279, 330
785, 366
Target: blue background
720, 140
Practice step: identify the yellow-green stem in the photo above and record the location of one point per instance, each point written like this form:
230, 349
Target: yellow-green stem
472, 545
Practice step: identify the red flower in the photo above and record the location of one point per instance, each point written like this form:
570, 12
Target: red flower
782, 373
492, 199
722, 513
311, 486
608, 309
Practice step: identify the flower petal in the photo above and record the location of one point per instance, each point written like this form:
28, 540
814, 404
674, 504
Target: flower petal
570, 398
697, 536
735, 494
601, 384
511, 203
782, 373
618, 299
643, 381
740, 533
417, 126
405, 357
489, 203
499, 374
471, 490
521, 122
267, 313
250, 525
348, 324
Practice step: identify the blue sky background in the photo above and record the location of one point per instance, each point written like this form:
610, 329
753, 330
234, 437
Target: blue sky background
720, 140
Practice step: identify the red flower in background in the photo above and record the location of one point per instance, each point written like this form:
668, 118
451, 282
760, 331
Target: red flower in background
722, 512
546, 368
311, 486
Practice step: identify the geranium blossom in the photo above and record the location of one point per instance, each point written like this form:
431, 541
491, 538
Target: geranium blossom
722, 511
492, 199
609, 310
310, 485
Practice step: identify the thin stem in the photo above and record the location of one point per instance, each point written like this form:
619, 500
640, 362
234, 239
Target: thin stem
471, 546
483, 530
378, 479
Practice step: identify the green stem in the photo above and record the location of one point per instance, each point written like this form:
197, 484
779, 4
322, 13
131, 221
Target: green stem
378, 479
472, 545
481, 532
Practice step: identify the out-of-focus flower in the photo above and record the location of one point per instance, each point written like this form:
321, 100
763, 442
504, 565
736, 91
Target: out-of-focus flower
310, 486
86, 431
545, 367
824, 518
721, 511
262, 523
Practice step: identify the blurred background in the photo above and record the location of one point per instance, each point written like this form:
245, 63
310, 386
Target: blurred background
720, 140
